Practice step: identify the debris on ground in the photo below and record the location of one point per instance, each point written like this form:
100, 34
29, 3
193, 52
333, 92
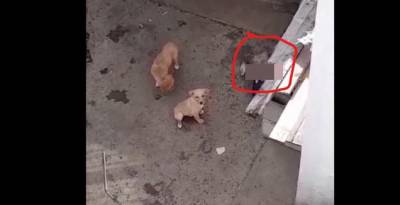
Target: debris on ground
220, 150
114, 198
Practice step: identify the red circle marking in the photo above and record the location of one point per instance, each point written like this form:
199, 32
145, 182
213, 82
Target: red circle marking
254, 36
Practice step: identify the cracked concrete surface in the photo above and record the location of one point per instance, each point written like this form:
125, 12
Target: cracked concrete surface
149, 160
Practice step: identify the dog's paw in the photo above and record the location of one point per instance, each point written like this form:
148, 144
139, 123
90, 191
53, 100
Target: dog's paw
179, 125
176, 67
201, 121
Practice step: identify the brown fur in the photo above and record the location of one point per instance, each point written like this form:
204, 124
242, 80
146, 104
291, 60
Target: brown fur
192, 106
162, 70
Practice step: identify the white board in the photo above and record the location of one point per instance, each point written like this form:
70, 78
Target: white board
292, 115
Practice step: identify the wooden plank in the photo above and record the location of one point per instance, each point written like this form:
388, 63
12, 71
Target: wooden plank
297, 139
259, 101
303, 62
292, 115
302, 22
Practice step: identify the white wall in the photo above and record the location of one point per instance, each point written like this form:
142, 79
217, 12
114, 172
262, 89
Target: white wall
315, 184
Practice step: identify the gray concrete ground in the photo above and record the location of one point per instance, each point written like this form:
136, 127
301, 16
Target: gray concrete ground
150, 161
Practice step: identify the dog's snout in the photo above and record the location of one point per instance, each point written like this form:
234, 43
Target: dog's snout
201, 102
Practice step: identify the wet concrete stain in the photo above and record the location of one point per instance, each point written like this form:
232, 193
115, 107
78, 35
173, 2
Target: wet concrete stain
246, 54
148, 202
235, 35
88, 56
116, 34
88, 124
157, 96
152, 53
92, 103
159, 3
118, 96
140, 26
131, 172
87, 37
183, 157
181, 23
104, 71
132, 61
151, 189
206, 147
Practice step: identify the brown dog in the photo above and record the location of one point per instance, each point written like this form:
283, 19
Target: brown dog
192, 106
161, 70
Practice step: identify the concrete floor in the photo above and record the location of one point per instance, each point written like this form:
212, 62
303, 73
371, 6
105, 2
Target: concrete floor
149, 160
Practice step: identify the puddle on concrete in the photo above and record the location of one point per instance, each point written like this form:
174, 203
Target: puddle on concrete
104, 71
181, 23
117, 33
118, 96
88, 56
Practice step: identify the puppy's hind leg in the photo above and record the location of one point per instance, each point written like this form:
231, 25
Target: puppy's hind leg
179, 118
198, 119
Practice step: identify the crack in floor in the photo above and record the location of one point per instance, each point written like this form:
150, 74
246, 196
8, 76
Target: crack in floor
161, 3
251, 165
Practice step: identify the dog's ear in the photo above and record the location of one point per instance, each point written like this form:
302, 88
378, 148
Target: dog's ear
191, 92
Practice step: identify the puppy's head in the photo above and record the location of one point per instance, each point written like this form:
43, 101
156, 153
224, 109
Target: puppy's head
200, 95
167, 83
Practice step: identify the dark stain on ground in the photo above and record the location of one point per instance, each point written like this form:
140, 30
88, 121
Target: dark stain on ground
156, 203
181, 23
110, 177
92, 103
149, 189
152, 190
88, 56
148, 202
157, 96
131, 172
152, 53
117, 33
183, 157
159, 3
206, 147
235, 35
118, 96
168, 28
88, 124
246, 54
132, 61
104, 71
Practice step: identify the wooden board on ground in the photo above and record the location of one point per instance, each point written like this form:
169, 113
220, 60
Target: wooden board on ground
292, 115
302, 63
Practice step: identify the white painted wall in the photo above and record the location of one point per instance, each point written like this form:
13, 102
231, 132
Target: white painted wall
316, 176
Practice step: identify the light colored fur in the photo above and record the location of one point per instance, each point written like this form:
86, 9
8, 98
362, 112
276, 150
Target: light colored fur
161, 69
192, 106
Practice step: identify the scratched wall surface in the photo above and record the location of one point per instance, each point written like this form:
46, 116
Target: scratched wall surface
149, 160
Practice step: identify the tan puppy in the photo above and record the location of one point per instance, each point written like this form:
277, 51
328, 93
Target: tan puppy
161, 70
192, 106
